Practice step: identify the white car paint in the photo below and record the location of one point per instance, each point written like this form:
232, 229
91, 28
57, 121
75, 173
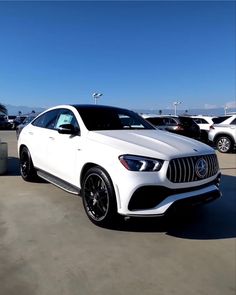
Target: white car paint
64, 156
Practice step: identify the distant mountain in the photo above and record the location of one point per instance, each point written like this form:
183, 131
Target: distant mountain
14, 110
204, 112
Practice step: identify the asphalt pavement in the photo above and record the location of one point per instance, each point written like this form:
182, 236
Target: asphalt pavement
49, 247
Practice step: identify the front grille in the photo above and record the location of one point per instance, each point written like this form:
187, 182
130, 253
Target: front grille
185, 169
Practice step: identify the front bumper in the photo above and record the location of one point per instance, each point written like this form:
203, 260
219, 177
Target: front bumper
158, 200
179, 200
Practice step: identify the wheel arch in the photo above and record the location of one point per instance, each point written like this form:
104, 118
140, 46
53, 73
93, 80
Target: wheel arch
222, 135
21, 148
90, 165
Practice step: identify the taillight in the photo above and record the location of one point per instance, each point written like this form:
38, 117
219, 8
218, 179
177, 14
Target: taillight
179, 127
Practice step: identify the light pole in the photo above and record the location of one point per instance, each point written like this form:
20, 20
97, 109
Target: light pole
175, 105
96, 95
225, 110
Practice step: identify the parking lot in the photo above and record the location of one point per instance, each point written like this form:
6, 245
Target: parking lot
49, 247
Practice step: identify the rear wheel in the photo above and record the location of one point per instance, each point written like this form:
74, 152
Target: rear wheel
27, 169
99, 197
224, 144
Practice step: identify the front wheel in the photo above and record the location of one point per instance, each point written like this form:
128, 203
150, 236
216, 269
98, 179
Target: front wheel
27, 169
99, 197
224, 144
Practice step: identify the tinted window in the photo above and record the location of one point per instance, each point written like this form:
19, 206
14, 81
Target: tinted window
220, 119
47, 120
186, 121
102, 118
200, 121
233, 122
155, 121
172, 121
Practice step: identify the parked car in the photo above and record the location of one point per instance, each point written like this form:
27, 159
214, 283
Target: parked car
4, 124
204, 123
11, 119
26, 121
19, 120
182, 125
223, 134
117, 161
221, 119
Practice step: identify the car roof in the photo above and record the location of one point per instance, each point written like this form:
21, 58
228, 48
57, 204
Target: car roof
157, 116
95, 106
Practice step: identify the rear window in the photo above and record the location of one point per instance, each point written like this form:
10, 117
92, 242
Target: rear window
218, 120
155, 121
200, 121
186, 121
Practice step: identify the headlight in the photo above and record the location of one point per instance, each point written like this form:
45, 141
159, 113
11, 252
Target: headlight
138, 163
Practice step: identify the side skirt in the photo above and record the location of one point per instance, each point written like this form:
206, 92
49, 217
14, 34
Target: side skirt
59, 182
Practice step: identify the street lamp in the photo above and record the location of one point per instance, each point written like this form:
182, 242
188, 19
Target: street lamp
226, 108
96, 95
175, 105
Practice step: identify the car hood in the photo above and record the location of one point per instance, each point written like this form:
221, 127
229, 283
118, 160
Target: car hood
151, 143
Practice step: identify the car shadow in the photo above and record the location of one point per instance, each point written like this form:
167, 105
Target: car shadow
216, 220
13, 169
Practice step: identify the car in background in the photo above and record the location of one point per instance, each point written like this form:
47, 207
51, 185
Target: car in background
223, 134
19, 120
11, 119
204, 123
182, 125
25, 122
4, 124
118, 162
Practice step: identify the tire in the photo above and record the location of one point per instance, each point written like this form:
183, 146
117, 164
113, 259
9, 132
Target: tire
224, 144
27, 169
99, 198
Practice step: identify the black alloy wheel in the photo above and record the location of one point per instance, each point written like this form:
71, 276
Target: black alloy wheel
99, 197
27, 169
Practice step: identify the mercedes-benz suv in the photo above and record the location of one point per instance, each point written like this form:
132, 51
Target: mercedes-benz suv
117, 161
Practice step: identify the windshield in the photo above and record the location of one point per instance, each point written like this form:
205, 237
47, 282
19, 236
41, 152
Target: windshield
104, 118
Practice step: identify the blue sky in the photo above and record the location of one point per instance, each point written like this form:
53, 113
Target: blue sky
139, 54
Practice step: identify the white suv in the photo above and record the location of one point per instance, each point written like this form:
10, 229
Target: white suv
117, 161
222, 133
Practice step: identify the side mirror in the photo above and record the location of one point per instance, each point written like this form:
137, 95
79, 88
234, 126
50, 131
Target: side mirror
68, 129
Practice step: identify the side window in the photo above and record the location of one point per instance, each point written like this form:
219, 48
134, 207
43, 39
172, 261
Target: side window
47, 120
166, 121
203, 121
199, 121
233, 122
66, 117
172, 121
